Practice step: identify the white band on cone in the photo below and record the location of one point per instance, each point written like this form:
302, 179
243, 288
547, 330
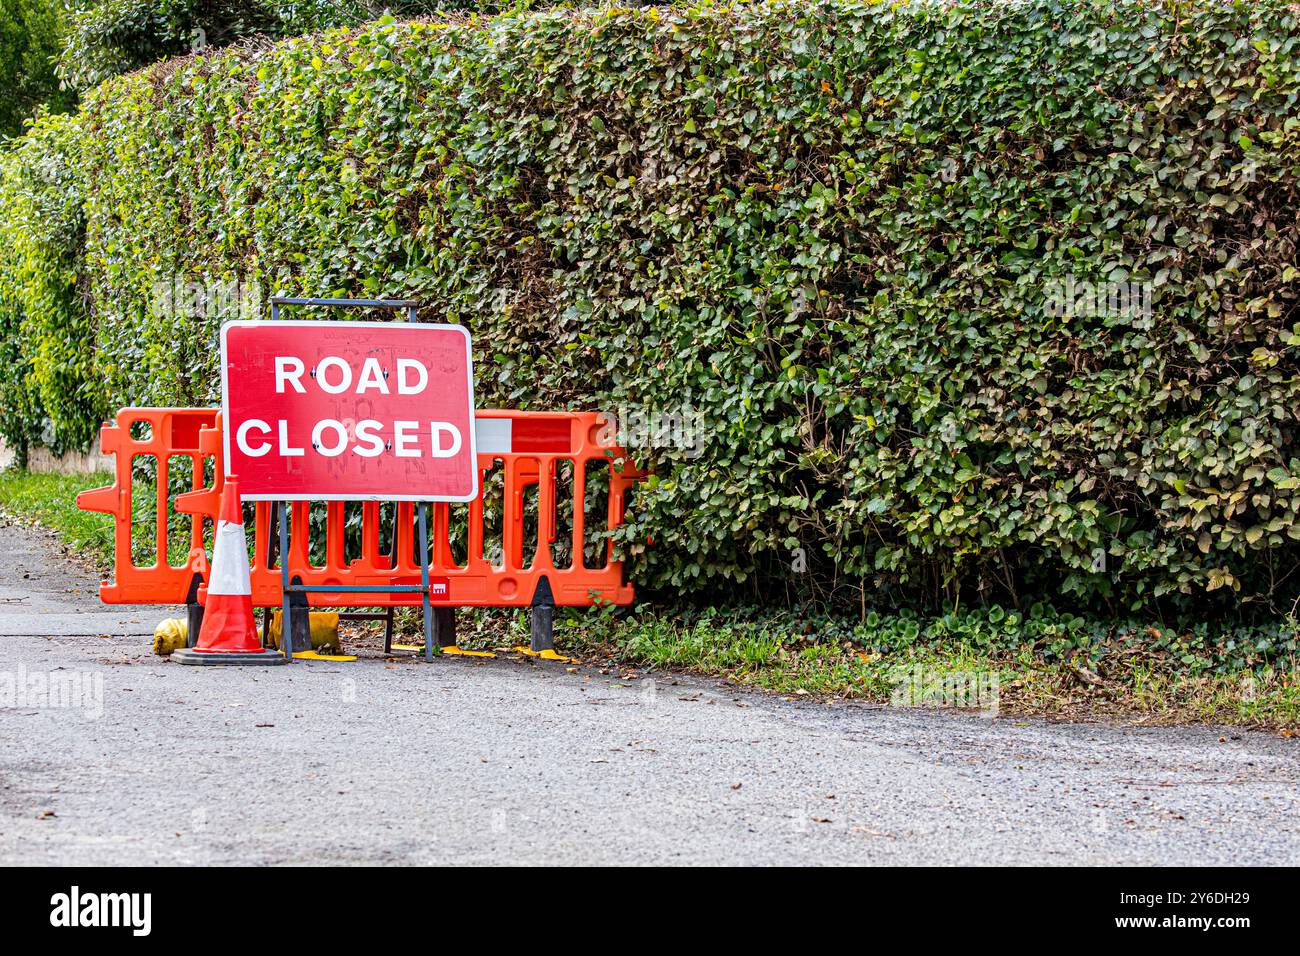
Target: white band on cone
230, 573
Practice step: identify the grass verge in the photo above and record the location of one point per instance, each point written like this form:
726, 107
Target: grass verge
1040, 663
1053, 666
50, 500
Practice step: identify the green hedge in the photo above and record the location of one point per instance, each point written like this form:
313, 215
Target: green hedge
103, 38
49, 390
843, 233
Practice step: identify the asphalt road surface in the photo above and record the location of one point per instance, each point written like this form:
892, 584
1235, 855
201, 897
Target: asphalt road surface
515, 761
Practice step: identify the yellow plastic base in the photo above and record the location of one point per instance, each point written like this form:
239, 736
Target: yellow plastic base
417, 648
460, 652
547, 655
314, 656
464, 653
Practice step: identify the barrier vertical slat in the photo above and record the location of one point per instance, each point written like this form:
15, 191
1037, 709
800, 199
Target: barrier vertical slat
512, 519
474, 541
405, 532
261, 534
162, 549
335, 531
196, 483
545, 512
300, 534
614, 515
579, 513
441, 543
370, 533
449, 553
131, 512
122, 549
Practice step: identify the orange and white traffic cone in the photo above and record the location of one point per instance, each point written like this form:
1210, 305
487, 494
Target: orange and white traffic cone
229, 632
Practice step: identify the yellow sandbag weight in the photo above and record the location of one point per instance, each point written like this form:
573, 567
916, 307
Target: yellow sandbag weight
324, 630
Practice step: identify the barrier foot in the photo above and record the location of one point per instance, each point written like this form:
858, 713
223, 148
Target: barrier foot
316, 656
444, 626
444, 635
546, 655
193, 612
541, 615
542, 637
542, 618
460, 652
419, 649
299, 621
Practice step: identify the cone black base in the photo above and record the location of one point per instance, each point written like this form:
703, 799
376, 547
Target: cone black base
188, 655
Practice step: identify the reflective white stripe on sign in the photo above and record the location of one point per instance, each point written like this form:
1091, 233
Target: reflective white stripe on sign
493, 436
230, 561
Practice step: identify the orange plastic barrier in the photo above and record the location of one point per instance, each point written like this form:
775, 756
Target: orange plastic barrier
159, 433
528, 449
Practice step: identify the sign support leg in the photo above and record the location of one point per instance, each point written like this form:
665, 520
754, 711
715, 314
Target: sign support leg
286, 629
424, 581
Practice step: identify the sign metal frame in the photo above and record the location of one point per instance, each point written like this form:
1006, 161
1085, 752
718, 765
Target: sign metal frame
291, 586
471, 450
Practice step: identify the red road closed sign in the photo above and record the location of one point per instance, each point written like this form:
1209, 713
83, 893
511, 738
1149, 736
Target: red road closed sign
349, 411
